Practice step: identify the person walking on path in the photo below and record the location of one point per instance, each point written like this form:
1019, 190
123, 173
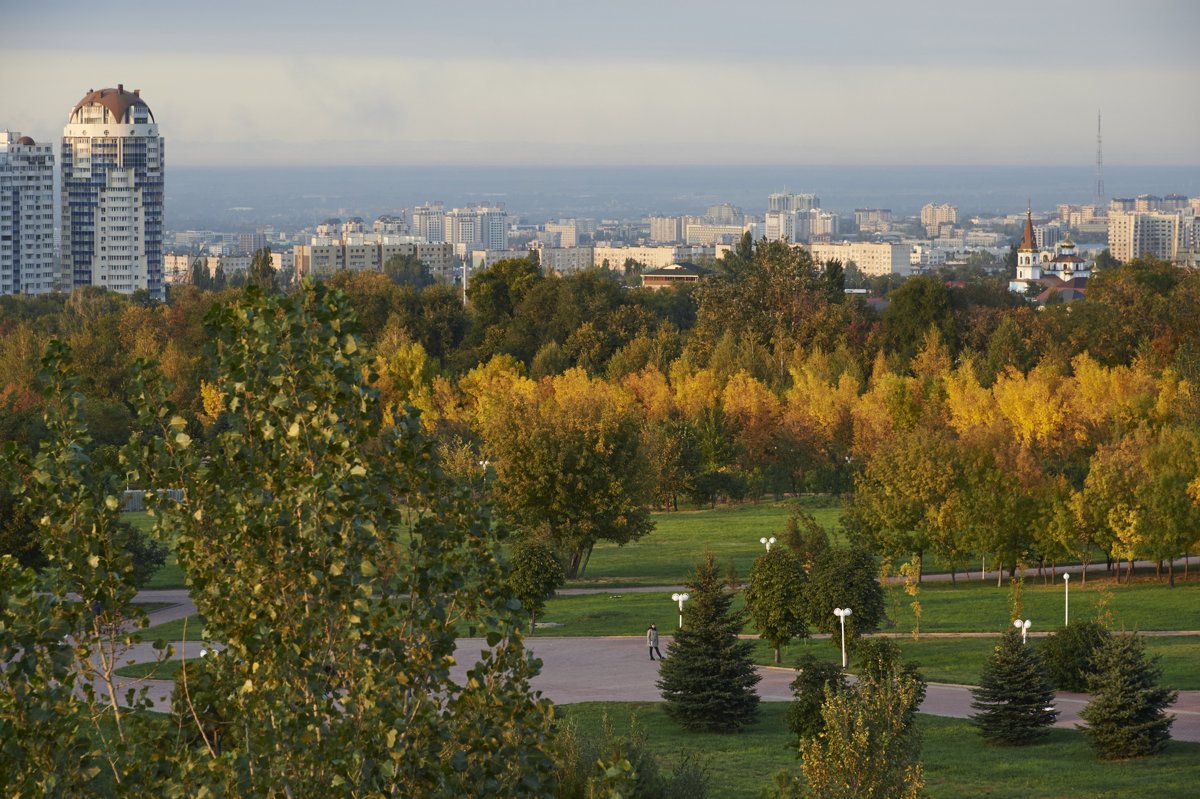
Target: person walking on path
652, 642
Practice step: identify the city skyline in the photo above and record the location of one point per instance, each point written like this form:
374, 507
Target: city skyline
673, 83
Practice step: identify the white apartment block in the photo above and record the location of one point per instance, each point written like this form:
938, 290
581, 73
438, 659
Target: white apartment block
823, 224
1165, 235
871, 259
428, 222
666, 229
26, 215
322, 260
565, 231
564, 260
933, 216
709, 234
792, 226
782, 201
177, 269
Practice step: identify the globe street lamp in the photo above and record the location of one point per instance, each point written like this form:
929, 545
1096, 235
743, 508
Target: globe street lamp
1066, 598
680, 598
1023, 626
842, 613
767, 542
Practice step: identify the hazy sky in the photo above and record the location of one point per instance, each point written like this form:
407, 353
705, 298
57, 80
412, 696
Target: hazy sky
619, 82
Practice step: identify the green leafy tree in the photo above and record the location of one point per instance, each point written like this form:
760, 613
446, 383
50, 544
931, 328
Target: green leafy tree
356, 564
868, 747
1015, 697
261, 273
570, 466
65, 727
919, 304
815, 681
844, 578
1069, 653
408, 270
536, 574
1126, 716
774, 597
879, 658
708, 676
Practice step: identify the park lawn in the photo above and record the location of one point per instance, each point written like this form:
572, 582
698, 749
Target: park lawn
174, 630
968, 607
679, 538
979, 606
959, 661
957, 763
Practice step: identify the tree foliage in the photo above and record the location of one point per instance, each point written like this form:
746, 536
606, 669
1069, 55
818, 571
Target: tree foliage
1015, 697
774, 597
844, 578
355, 564
868, 748
815, 681
1126, 716
536, 574
570, 465
1069, 654
708, 676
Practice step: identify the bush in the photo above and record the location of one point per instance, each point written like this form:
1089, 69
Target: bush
598, 763
815, 679
1068, 654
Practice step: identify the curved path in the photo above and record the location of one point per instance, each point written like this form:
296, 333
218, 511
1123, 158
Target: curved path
618, 669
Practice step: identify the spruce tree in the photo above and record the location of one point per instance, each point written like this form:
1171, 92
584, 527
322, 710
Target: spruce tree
1014, 696
708, 677
1127, 715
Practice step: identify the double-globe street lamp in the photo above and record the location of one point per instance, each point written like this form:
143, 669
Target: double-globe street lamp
767, 542
680, 598
842, 613
1023, 626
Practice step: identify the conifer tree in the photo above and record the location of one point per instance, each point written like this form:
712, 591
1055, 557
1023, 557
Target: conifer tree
708, 677
1127, 715
1015, 695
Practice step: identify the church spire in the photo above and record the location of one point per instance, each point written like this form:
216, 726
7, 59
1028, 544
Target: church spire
1028, 242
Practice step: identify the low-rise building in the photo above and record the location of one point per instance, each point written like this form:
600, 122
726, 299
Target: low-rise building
872, 259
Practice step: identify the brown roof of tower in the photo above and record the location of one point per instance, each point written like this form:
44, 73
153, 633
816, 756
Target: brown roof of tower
1028, 242
117, 101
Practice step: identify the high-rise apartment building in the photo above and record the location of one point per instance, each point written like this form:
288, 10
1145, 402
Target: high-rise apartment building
666, 229
112, 194
26, 215
933, 216
429, 221
1161, 234
782, 201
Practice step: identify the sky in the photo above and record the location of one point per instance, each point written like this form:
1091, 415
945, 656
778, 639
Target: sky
618, 82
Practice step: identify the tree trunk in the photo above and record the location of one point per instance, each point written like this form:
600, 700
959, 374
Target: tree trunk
1129, 573
920, 565
1171, 573
777, 654
999, 574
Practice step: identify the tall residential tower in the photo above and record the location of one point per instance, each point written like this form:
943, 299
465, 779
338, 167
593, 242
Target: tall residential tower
26, 215
112, 194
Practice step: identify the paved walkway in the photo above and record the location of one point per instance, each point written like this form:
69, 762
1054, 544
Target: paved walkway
619, 669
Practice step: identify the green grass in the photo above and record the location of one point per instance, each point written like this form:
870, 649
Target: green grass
956, 761
174, 630
967, 607
666, 555
960, 660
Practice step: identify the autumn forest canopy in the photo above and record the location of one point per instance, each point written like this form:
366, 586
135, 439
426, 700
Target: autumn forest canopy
957, 420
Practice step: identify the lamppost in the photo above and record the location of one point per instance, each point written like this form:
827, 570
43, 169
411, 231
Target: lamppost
680, 598
1066, 598
1023, 626
842, 613
767, 542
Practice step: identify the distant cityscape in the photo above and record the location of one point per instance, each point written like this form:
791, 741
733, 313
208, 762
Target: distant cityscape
95, 216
